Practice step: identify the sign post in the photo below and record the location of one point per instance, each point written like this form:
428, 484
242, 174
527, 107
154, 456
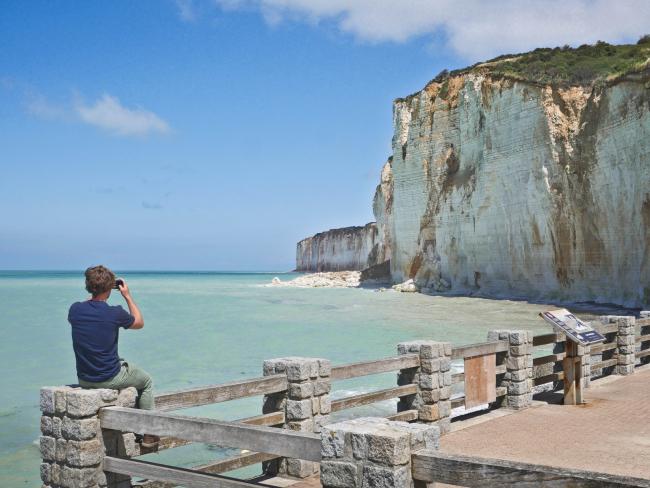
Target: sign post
578, 335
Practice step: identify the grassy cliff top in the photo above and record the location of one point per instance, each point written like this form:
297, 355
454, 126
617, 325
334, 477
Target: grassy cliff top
565, 66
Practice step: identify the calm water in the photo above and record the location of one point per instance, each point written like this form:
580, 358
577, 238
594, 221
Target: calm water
211, 328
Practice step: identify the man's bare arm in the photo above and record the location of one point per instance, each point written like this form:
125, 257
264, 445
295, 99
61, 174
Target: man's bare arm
138, 323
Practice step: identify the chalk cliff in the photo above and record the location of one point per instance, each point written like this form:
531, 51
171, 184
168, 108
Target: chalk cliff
349, 249
505, 187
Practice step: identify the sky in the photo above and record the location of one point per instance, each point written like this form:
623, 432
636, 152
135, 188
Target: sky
215, 134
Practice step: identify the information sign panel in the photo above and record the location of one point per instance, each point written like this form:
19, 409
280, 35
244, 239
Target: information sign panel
574, 328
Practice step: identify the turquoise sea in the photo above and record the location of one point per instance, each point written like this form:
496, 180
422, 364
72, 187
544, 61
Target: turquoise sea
207, 328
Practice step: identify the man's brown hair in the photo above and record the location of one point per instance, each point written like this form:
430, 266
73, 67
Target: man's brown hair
99, 279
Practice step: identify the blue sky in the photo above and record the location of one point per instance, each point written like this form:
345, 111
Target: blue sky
215, 134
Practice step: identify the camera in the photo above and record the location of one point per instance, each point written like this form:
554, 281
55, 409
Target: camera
118, 283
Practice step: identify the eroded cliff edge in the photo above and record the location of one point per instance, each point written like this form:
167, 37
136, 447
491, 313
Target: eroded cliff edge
507, 188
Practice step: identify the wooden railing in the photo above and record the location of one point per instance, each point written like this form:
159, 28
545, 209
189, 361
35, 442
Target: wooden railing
261, 436
453, 469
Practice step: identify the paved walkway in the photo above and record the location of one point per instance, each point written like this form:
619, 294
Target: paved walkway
611, 433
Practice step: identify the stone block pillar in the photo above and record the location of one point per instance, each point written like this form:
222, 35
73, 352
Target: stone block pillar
433, 380
644, 330
373, 453
72, 445
626, 346
519, 366
306, 405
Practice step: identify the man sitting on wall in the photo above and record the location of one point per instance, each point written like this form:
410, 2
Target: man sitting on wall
95, 332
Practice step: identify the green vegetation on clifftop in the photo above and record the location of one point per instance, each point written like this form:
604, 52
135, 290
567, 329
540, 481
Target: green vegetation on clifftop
565, 66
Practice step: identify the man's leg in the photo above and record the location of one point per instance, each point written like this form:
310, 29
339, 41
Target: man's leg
129, 375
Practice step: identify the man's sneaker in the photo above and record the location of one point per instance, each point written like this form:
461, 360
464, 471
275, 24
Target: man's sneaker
150, 441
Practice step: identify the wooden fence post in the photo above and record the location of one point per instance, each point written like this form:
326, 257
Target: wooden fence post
306, 405
433, 380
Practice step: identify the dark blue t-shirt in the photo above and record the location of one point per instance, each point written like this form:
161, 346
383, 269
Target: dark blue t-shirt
95, 330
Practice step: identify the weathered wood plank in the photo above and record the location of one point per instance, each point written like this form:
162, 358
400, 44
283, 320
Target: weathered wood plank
550, 358
287, 443
453, 469
216, 467
602, 347
642, 354
365, 368
205, 395
480, 349
604, 364
176, 476
643, 338
480, 380
460, 377
543, 339
273, 418
405, 416
460, 401
373, 397
559, 376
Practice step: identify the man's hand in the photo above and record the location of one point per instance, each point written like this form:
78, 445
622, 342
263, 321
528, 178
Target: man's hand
124, 288
138, 323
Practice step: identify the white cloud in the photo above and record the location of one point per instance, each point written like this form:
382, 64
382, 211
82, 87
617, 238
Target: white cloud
109, 114
41, 107
473, 29
186, 10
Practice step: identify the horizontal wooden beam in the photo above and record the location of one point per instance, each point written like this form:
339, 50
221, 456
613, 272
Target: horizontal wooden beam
552, 338
405, 416
604, 364
217, 467
273, 418
643, 338
642, 354
606, 329
551, 358
460, 401
365, 368
454, 469
287, 443
173, 475
205, 395
373, 397
480, 349
602, 347
643, 322
542, 380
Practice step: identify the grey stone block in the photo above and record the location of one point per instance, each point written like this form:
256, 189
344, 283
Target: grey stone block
299, 369
306, 425
80, 429
324, 367
46, 425
82, 403
321, 387
53, 399
84, 453
315, 405
389, 448
518, 337
300, 391
338, 474
445, 364
518, 401
61, 450
274, 366
519, 387
320, 421
332, 443
325, 404
78, 477
518, 374
444, 408
48, 448
429, 381
513, 363
625, 369
108, 396
378, 477
428, 413
298, 409
300, 468
127, 398
430, 365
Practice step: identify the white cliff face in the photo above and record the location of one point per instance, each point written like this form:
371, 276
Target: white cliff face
504, 188
350, 249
